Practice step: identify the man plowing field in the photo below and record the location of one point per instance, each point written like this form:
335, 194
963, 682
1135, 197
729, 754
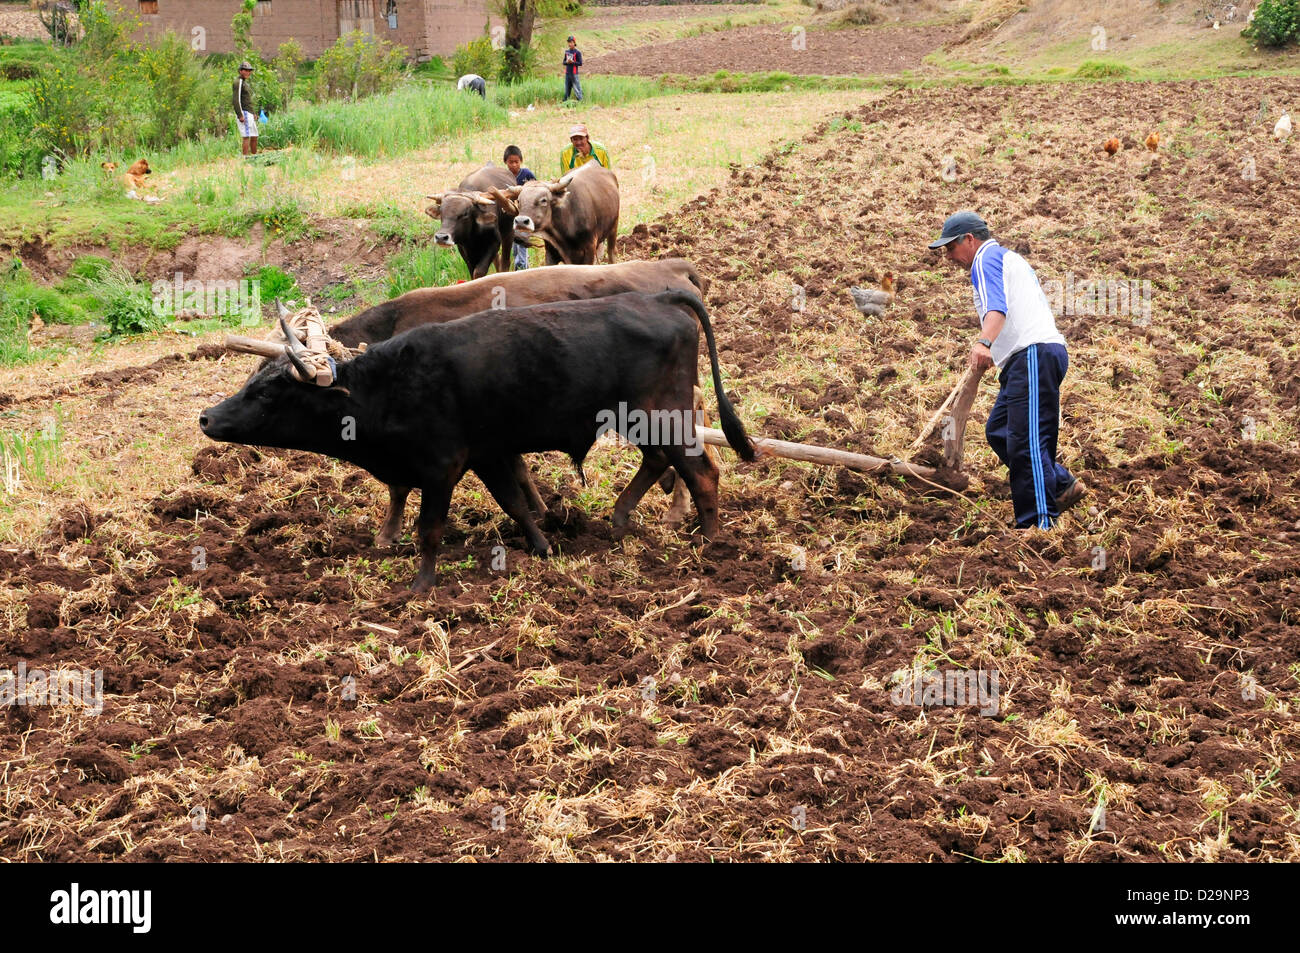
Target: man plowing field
1017, 333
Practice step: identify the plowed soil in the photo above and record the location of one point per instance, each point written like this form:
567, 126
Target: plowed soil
758, 48
273, 693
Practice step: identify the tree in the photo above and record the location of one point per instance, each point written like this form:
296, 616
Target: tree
519, 16
241, 28
56, 17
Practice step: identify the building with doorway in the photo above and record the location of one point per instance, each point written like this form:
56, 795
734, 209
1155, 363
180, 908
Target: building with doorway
425, 27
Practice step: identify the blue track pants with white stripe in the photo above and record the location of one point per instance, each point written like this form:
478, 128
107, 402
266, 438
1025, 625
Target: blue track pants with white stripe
1022, 429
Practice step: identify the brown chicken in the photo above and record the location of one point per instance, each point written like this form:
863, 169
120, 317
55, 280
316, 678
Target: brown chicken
1111, 146
1153, 141
887, 283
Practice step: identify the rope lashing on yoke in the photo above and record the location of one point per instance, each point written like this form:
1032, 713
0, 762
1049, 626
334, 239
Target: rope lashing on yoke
304, 339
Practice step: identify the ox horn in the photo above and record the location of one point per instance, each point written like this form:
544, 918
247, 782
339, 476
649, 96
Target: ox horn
503, 199
246, 345
483, 198
296, 351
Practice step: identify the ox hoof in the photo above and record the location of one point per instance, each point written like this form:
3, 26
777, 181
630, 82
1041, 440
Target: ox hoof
386, 539
422, 585
674, 516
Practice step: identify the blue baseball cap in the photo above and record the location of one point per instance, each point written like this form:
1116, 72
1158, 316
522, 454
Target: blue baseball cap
957, 225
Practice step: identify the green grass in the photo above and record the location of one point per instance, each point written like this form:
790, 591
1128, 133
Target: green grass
274, 283
95, 289
24, 58
31, 456
390, 222
21, 299
1102, 69
769, 82
599, 90
424, 267
401, 121
1206, 55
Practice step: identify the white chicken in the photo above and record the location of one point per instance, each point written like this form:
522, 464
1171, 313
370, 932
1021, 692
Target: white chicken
1283, 127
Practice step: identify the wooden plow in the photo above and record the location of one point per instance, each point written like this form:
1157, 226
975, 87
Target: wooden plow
951, 416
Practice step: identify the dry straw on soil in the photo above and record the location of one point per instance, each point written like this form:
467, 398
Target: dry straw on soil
649, 699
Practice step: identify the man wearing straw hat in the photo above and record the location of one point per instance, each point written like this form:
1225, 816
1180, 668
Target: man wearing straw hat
244, 115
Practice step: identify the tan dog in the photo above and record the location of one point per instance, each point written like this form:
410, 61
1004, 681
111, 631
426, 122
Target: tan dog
135, 175
109, 167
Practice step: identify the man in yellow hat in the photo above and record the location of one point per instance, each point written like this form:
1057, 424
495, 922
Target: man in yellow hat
581, 150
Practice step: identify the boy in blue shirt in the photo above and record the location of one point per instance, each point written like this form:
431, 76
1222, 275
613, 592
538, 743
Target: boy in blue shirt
514, 160
572, 61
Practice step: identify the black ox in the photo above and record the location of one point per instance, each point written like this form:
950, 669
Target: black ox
475, 393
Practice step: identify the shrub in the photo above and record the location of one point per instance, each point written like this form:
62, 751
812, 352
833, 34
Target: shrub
274, 283
107, 91
1101, 69
477, 56
860, 14
20, 153
288, 57
518, 63
559, 9
358, 65
182, 99
1276, 23
65, 98
265, 80
105, 33
127, 304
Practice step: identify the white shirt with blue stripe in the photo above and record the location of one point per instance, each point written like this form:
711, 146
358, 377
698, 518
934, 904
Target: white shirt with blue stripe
1003, 281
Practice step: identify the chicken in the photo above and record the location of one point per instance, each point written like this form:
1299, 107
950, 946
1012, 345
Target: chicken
872, 301
1283, 127
1111, 146
1153, 141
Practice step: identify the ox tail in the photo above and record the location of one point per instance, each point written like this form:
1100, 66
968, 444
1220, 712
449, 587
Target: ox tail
731, 425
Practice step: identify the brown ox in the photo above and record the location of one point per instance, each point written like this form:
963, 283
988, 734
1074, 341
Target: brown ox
472, 223
572, 216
